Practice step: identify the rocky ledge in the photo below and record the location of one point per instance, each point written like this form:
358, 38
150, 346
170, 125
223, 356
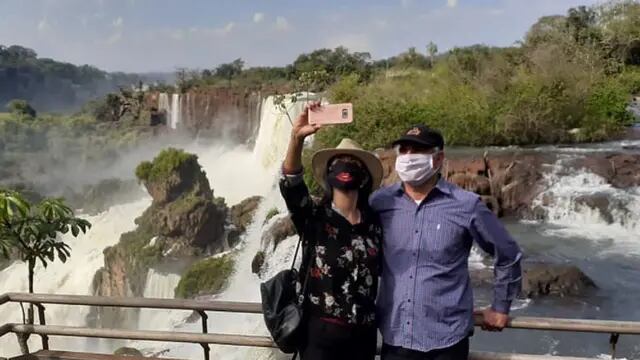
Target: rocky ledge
183, 227
509, 181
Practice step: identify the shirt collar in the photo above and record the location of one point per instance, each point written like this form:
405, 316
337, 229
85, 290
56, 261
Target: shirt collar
442, 185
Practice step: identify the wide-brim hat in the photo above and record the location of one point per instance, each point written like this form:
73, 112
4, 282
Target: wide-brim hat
321, 158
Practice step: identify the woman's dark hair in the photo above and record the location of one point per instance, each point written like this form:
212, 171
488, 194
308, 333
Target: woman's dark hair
363, 193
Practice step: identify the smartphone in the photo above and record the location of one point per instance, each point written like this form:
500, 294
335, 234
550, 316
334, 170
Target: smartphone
332, 114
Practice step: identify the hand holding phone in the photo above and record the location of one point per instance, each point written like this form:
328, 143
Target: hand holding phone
331, 114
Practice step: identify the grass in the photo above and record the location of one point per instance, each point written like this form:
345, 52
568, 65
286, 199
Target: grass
208, 276
168, 161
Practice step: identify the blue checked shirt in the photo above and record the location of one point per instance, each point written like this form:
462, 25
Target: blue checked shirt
425, 300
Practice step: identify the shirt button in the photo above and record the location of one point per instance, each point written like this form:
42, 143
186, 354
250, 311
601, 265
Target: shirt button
414, 254
409, 300
417, 231
408, 323
410, 276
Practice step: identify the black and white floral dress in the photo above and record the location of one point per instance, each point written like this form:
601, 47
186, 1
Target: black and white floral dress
343, 280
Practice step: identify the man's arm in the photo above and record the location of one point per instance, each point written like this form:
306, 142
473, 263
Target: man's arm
492, 237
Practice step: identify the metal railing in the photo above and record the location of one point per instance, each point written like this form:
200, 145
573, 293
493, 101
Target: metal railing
613, 328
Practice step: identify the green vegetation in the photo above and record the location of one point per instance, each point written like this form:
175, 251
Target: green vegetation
168, 161
570, 80
136, 248
50, 85
32, 231
208, 276
272, 212
21, 108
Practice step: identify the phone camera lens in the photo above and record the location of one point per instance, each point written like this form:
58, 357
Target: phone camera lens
345, 113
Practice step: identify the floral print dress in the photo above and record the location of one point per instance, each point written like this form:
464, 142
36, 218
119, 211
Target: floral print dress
343, 279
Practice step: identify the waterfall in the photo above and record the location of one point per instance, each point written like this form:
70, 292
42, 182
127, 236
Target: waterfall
582, 204
176, 111
73, 277
172, 110
236, 174
159, 286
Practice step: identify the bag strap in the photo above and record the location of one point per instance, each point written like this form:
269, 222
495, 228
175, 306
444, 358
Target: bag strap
295, 255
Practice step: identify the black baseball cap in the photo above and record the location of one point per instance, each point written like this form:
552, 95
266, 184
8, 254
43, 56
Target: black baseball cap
421, 135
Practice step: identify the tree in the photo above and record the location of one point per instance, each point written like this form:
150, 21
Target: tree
230, 70
432, 50
34, 232
21, 108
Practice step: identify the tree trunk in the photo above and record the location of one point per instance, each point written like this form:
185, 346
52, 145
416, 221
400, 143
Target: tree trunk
23, 338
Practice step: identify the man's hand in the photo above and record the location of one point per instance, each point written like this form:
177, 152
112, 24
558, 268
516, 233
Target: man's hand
492, 320
301, 126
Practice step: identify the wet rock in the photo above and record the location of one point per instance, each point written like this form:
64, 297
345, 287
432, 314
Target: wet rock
620, 170
540, 279
241, 214
184, 222
599, 202
492, 203
517, 181
478, 184
554, 280
474, 165
257, 262
278, 231
172, 174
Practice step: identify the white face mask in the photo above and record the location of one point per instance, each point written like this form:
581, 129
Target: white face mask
415, 169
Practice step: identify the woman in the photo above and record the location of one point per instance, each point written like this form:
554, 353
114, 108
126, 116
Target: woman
344, 239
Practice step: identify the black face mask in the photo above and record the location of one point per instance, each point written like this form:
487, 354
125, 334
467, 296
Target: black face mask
346, 176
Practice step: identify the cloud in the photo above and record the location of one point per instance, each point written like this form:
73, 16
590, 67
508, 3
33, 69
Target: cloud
118, 22
114, 38
353, 42
282, 23
43, 25
227, 28
258, 17
452, 3
406, 3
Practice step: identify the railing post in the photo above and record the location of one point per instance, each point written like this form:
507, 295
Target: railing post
613, 341
45, 338
205, 330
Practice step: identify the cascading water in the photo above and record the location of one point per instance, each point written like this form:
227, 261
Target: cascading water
72, 277
582, 204
176, 111
173, 109
237, 173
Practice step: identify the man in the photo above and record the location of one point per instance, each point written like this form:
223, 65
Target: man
425, 302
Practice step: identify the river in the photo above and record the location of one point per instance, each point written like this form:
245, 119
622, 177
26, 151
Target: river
608, 252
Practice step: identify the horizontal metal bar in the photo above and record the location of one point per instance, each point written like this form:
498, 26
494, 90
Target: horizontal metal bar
4, 298
481, 355
180, 337
534, 323
5, 329
577, 325
147, 303
219, 339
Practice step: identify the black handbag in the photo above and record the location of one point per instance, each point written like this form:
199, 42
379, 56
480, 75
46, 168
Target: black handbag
282, 307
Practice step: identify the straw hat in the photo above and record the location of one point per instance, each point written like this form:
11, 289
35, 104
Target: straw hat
321, 158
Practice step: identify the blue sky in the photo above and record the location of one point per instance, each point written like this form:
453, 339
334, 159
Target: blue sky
161, 35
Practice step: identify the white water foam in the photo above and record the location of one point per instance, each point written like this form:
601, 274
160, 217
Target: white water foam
573, 218
73, 277
236, 174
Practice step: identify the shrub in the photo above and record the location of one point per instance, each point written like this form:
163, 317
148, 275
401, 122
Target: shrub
208, 276
164, 164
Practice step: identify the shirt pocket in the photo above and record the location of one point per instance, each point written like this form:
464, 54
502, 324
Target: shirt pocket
443, 241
